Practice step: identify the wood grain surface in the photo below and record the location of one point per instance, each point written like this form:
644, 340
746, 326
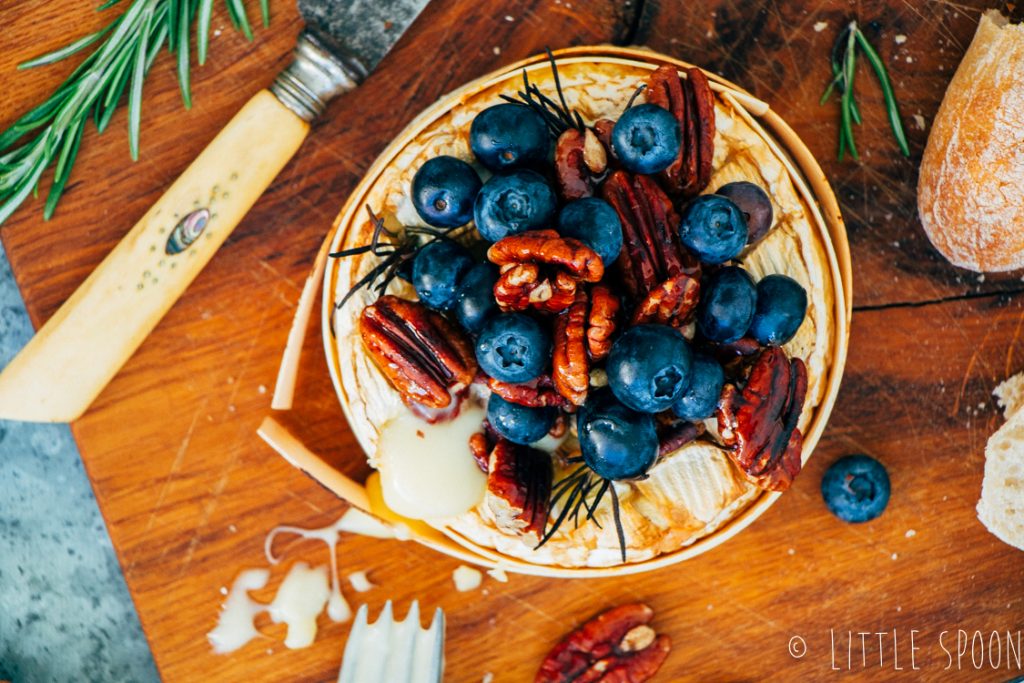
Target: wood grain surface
189, 493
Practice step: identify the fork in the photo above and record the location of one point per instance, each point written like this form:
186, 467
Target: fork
394, 652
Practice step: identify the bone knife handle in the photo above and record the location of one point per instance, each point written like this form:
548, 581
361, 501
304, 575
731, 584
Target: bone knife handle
78, 350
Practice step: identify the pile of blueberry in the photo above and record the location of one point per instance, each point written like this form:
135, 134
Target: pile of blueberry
654, 373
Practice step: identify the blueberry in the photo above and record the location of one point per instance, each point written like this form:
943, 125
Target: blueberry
726, 306
443, 191
701, 398
713, 228
753, 203
616, 442
513, 203
649, 367
513, 347
474, 301
594, 222
508, 136
856, 488
781, 307
519, 424
646, 138
437, 271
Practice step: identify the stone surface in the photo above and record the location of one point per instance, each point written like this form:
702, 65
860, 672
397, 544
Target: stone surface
65, 613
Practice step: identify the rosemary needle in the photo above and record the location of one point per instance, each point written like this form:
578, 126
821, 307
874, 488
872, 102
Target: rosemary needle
843, 61
117, 59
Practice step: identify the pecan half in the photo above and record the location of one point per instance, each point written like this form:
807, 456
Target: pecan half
651, 252
616, 646
480, 449
537, 393
676, 434
570, 366
580, 163
759, 423
692, 103
519, 488
540, 269
670, 303
604, 309
426, 358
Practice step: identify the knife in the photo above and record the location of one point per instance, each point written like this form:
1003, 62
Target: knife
72, 357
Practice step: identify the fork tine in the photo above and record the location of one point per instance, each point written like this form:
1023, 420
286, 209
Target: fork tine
356, 638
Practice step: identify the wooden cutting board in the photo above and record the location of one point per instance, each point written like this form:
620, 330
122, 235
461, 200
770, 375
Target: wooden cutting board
189, 492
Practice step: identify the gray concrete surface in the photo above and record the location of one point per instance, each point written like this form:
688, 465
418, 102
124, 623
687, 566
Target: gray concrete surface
65, 613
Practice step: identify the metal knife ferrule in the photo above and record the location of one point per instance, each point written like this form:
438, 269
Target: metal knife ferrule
317, 75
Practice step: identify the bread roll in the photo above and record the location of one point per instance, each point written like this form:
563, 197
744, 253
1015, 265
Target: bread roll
1001, 508
971, 190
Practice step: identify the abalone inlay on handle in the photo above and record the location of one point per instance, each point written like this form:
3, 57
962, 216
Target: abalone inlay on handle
187, 231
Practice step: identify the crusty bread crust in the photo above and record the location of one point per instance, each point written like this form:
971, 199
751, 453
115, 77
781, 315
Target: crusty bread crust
970, 194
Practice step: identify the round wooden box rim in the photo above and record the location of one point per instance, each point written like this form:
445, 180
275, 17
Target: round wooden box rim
810, 182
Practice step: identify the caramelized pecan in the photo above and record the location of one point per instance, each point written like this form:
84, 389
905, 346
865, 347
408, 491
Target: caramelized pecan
693, 106
604, 309
426, 358
540, 269
651, 251
676, 434
537, 393
570, 366
519, 488
759, 423
670, 303
480, 449
617, 646
580, 163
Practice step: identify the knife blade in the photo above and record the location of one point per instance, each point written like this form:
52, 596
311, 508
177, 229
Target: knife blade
73, 356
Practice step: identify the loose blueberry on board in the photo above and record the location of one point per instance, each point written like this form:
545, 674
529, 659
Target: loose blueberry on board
753, 203
713, 228
701, 398
474, 301
649, 367
443, 191
728, 299
513, 347
437, 271
508, 136
781, 307
519, 424
646, 139
513, 203
594, 222
616, 442
856, 488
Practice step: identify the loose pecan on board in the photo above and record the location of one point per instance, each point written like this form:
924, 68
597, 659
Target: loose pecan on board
616, 646
519, 488
692, 103
426, 358
541, 269
759, 422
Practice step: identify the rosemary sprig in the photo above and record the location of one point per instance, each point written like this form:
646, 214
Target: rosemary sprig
125, 49
843, 59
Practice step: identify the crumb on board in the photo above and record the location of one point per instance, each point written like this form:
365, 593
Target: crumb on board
910, 533
466, 578
820, 26
895, 556
900, 39
497, 50
498, 574
488, 678
919, 121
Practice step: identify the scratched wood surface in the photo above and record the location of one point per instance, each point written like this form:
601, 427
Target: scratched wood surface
189, 493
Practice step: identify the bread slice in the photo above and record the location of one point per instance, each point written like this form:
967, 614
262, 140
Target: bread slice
970, 193
1001, 508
